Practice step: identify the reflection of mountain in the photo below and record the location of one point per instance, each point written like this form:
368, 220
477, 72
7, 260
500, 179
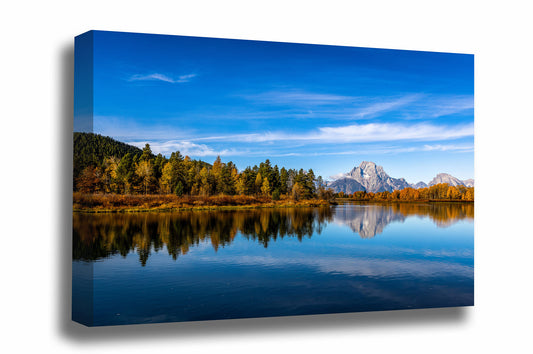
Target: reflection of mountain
367, 220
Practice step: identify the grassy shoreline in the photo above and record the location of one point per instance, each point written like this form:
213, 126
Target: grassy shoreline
112, 203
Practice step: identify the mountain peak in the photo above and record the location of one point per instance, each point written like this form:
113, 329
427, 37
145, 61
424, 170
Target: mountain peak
366, 164
420, 185
446, 178
369, 177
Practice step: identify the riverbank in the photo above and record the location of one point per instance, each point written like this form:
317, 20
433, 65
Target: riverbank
113, 203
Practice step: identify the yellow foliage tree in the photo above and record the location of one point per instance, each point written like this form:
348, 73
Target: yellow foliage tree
265, 188
166, 179
258, 183
144, 171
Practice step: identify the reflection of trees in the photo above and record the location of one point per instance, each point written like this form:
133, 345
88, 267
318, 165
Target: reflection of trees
442, 214
101, 235
368, 220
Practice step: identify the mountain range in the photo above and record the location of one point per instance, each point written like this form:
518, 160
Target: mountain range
370, 177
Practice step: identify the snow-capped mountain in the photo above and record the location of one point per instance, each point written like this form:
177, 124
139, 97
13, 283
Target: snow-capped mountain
370, 177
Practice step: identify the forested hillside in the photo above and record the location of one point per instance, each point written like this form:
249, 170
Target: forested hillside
104, 165
91, 150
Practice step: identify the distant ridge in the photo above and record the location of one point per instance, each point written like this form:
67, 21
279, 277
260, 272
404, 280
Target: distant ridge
419, 185
370, 177
446, 178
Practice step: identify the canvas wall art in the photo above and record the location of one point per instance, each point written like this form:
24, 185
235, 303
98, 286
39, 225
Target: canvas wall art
223, 179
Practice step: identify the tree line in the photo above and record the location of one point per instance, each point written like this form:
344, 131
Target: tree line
142, 172
105, 166
441, 191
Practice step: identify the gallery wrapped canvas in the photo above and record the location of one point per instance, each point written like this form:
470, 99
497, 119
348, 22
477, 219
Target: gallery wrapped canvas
224, 179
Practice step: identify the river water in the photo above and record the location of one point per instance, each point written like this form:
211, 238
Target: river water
205, 265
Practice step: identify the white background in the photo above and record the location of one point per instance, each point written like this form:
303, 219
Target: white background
35, 79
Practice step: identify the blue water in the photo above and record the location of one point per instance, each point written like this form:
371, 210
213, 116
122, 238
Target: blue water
239, 264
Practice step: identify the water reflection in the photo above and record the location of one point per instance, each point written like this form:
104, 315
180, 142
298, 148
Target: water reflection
369, 220
99, 236
102, 235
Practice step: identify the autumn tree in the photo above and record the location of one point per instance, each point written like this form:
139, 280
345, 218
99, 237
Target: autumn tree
297, 191
409, 194
144, 171
452, 193
395, 195
166, 179
325, 193
265, 187
469, 194
216, 171
258, 183
109, 176
89, 180
206, 182
240, 185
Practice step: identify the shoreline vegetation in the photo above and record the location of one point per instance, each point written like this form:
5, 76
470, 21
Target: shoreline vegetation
441, 192
115, 203
111, 176
109, 203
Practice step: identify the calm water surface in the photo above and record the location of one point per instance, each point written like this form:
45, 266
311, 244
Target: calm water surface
202, 265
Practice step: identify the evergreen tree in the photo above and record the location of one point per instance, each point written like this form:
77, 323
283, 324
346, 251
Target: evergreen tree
147, 153
179, 189
283, 181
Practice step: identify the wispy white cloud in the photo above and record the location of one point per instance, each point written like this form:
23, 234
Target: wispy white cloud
296, 97
438, 147
383, 106
431, 106
185, 78
359, 133
408, 106
392, 132
379, 150
338, 176
186, 148
162, 77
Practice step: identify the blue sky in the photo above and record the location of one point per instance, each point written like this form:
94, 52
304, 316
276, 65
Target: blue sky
302, 106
